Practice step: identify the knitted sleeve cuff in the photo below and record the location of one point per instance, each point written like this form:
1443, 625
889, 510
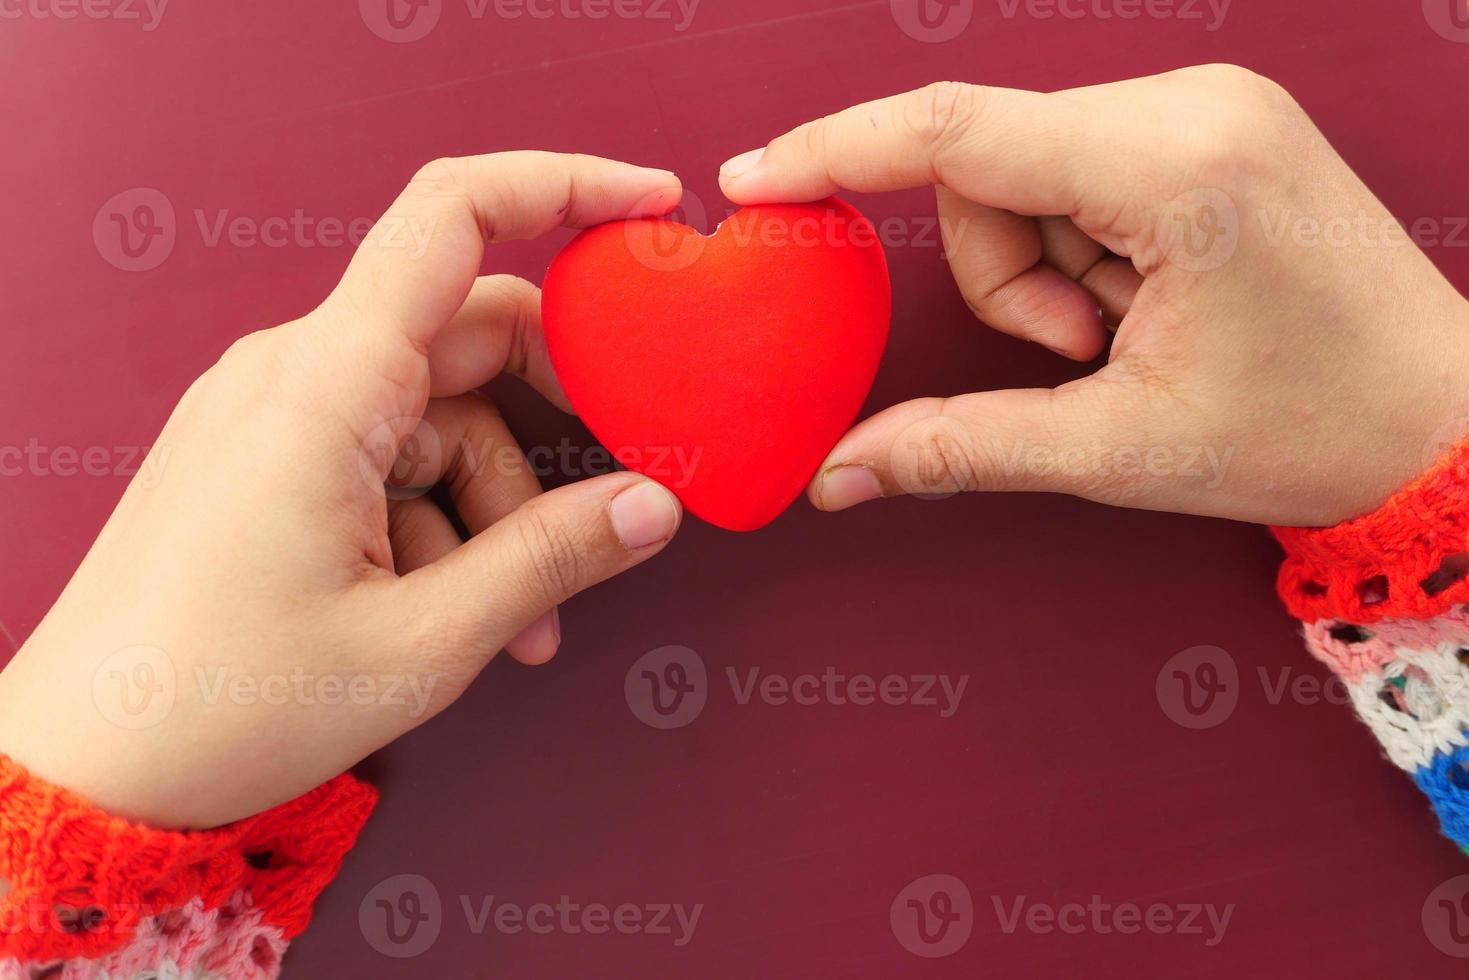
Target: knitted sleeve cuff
126, 899
1407, 559
1383, 599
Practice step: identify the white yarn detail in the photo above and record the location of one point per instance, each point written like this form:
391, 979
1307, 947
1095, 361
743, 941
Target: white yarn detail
1418, 706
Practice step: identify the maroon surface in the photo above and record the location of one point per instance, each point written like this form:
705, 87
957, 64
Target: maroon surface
1059, 778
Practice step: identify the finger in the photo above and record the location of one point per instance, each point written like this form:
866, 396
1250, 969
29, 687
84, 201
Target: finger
1033, 439
564, 541
1021, 151
1111, 280
418, 265
496, 331
419, 532
998, 263
475, 457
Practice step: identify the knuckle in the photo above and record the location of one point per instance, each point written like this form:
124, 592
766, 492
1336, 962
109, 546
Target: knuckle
945, 110
940, 458
809, 140
1239, 122
251, 357
245, 352
556, 564
437, 176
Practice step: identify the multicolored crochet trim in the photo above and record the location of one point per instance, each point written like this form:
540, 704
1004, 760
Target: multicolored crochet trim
94, 896
1384, 600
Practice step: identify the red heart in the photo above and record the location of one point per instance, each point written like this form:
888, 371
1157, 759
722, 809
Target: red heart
724, 367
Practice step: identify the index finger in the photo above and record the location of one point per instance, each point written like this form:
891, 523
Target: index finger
1028, 152
416, 267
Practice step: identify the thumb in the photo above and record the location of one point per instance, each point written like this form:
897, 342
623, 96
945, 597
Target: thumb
1021, 439
507, 577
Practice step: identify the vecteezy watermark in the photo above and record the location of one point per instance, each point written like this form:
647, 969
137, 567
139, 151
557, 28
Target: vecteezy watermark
408, 466
940, 692
678, 239
932, 21
1448, 18
937, 457
1201, 687
932, 916
1210, 14
138, 687
1362, 230
672, 920
1198, 687
146, 13
224, 685
135, 687
1103, 918
1206, 465
1446, 917
403, 916
117, 920
669, 688
143, 463
1199, 230
137, 230
406, 21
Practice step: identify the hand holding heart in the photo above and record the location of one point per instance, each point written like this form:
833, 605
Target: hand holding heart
1185, 212
258, 551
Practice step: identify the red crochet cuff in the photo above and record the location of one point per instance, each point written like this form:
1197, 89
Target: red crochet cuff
1405, 560
82, 881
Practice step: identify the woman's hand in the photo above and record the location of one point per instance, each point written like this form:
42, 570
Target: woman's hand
256, 616
1283, 352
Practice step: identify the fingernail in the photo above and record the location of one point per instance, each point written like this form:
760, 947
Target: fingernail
661, 171
643, 515
742, 164
847, 486
539, 641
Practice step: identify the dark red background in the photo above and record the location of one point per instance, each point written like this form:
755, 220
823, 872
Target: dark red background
1059, 778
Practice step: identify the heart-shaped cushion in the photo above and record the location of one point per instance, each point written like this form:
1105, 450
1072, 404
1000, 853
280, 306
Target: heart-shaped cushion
724, 367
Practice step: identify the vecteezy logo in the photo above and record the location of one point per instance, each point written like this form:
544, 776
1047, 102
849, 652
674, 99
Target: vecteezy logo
1199, 231
657, 243
1446, 917
402, 467
400, 21
136, 229
135, 688
932, 21
931, 460
667, 687
933, 916
401, 916
1199, 687
1449, 18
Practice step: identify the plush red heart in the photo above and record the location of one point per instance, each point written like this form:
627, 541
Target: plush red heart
724, 367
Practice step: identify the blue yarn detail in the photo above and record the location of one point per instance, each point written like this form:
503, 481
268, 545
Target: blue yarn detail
1446, 782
